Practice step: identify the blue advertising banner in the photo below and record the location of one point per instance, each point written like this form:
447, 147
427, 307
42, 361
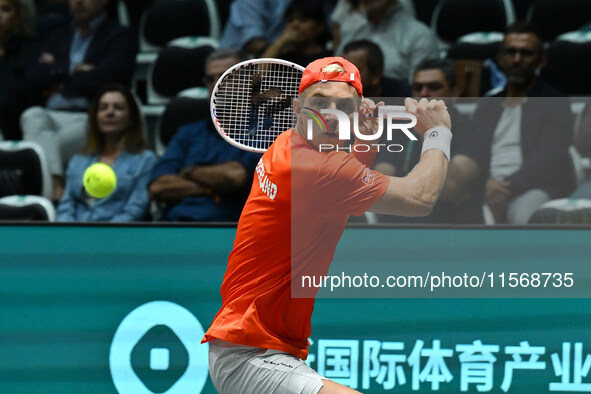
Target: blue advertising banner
105, 309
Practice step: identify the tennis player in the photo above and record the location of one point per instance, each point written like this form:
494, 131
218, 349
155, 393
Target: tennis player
259, 338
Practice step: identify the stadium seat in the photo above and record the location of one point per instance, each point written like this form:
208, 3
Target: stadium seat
476, 46
424, 10
26, 207
179, 66
472, 55
23, 169
189, 106
223, 7
489, 217
555, 17
568, 58
453, 19
166, 20
522, 8
123, 13
366, 218
563, 211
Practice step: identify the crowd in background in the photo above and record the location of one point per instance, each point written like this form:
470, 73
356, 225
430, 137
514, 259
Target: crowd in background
66, 70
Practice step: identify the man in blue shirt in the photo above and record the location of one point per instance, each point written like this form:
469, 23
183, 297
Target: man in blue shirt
201, 177
254, 24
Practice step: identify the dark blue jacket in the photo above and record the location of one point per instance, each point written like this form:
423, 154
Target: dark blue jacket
113, 50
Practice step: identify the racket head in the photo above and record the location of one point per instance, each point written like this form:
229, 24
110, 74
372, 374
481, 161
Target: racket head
252, 102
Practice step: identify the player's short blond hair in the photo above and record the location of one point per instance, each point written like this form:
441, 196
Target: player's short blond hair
333, 68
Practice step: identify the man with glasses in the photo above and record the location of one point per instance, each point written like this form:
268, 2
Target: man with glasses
516, 157
201, 177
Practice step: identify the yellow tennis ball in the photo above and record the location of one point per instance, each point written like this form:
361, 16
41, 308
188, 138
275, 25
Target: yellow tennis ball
99, 180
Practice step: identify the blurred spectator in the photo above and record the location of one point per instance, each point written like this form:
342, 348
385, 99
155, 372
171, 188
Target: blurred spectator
404, 40
116, 138
51, 15
17, 50
516, 157
201, 177
583, 145
253, 24
347, 8
74, 62
344, 9
369, 59
433, 78
304, 37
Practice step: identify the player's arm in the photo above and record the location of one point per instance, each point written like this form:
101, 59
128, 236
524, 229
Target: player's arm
385, 168
417, 193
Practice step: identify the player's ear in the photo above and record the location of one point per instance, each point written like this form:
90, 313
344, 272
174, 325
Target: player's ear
297, 106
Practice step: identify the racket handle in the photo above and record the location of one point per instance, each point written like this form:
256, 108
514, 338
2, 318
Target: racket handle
393, 108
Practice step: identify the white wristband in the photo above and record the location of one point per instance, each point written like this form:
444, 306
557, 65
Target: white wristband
437, 138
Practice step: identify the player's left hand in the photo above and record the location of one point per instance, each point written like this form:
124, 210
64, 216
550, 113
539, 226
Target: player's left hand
429, 114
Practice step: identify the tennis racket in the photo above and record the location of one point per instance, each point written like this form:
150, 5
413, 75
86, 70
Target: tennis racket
252, 102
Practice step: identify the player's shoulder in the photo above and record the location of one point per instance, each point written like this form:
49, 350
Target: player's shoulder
339, 161
323, 167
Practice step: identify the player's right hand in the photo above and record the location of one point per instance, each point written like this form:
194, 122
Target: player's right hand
368, 121
429, 114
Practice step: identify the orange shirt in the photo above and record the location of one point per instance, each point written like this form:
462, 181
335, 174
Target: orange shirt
295, 214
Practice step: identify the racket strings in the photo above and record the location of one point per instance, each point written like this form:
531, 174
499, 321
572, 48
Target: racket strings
254, 103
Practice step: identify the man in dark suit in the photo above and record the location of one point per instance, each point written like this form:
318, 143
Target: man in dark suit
74, 62
516, 156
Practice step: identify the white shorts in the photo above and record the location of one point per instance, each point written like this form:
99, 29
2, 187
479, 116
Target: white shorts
238, 369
